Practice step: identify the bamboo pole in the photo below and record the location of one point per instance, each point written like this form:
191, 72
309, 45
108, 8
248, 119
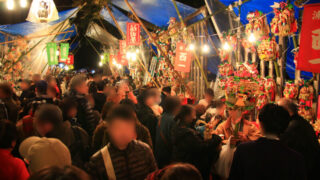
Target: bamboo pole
160, 49
282, 61
115, 21
144, 67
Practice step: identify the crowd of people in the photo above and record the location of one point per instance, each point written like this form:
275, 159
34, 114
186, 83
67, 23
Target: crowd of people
103, 127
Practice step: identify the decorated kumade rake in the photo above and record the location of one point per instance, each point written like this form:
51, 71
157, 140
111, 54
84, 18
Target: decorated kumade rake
284, 23
290, 90
268, 49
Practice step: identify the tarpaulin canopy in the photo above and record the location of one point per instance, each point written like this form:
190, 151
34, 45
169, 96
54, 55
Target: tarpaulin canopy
264, 6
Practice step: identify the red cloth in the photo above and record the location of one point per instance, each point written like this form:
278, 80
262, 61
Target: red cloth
12, 168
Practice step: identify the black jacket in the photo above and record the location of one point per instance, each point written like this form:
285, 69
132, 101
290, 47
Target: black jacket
9, 110
266, 159
85, 116
189, 147
301, 137
26, 96
133, 163
99, 100
148, 119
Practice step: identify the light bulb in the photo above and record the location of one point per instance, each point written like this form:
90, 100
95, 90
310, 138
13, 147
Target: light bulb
57, 53
102, 57
61, 65
191, 47
100, 64
205, 48
226, 47
252, 38
66, 68
134, 57
137, 51
23, 3
128, 55
10, 4
119, 66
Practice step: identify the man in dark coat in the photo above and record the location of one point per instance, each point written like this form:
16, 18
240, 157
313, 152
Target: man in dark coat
85, 115
267, 158
163, 144
301, 137
27, 93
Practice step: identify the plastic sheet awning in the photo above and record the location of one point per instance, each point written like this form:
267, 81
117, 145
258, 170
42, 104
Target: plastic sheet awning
26, 28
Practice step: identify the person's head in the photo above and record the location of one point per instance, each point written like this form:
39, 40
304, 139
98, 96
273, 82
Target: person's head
219, 106
47, 118
63, 173
79, 84
51, 80
8, 135
172, 105
273, 119
147, 97
166, 90
41, 153
186, 115
181, 171
200, 110
97, 77
156, 95
52, 92
101, 86
6, 90
36, 78
289, 105
234, 114
208, 95
41, 88
129, 103
121, 125
25, 84
69, 108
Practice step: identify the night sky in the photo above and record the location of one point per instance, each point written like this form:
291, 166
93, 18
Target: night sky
85, 56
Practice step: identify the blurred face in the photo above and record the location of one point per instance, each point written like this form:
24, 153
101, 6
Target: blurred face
235, 115
150, 101
43, 127
97, 78
208, 97
36, 78
24, 86
83, 88
122, 132
72, 112
52, 82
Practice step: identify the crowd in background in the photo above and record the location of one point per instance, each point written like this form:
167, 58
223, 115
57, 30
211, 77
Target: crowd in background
102, 127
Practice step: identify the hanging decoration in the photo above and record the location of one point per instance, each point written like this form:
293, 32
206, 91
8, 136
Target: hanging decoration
229, 44
52, 53
309, 51
133, 34
42, 11
268, 49
290, 90
284, 23
70, 60
257, 25
64, 51
183, 58
153, 65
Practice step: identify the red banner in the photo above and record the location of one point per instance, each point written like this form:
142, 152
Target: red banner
122, 46
309, 52
183, 58
133, 34
122, 59
70, 59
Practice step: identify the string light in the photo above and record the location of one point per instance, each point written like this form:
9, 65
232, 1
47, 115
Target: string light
10, 4
137, 51
102, 57
252, 38
66, 68
205, 48
23, 3
134, 57
57, 53
128, 55
191, 47
226, 46
119, 66
100, 63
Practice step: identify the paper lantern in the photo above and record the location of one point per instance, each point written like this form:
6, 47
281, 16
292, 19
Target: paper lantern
42, 11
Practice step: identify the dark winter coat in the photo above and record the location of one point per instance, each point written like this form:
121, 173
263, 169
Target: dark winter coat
266, 159
301, 137
133, 163
85, 116
189, 147
163, 144
148, 119
9, 110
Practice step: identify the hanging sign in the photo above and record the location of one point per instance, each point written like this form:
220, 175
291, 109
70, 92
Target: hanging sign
309, 52
105, 58
153, 65
52, 53
133, 34
70, 59
122, 46
42, 11
183, 58
122, 59
64, 51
